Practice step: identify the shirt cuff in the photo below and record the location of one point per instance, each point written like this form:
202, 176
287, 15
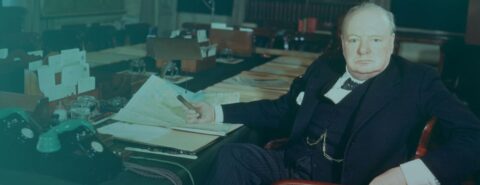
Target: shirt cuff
218, 114
417, 173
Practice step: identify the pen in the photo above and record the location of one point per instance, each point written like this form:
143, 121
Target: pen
188, 104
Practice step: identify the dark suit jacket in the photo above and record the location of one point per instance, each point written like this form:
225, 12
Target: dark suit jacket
388, 124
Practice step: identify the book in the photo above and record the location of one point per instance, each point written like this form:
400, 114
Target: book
158, 140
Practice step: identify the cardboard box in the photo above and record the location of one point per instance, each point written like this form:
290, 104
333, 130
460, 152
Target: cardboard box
189, 51
240, 42
193, 66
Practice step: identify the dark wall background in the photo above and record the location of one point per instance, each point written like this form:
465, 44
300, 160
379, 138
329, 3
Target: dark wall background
222, 7
445, 15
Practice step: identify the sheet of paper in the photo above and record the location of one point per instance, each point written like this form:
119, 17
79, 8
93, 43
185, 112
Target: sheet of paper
280, 69
135, 132
61, 91
46, 79
72, 74
155, 103
212, 50
295, 61
174, 33
70, 56
36, 53
55, 62
246, 29
202, 36
208, 51
33, 66
138, 50
218, 25
3, 53
204, 51
158, 136
229, 60
86, 84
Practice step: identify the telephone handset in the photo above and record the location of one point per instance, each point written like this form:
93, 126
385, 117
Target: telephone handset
75, 133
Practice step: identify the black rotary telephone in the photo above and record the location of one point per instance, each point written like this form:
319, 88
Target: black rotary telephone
69, 150
18, 137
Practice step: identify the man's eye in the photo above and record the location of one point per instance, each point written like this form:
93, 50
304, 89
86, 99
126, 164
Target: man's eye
377, 40
352, 40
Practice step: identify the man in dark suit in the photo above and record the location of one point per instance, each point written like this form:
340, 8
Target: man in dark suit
357, 119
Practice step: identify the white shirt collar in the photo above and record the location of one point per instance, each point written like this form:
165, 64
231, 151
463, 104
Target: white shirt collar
348, 75
336, 93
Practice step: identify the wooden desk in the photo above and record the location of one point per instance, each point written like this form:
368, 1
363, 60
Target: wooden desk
116, 55
199, 167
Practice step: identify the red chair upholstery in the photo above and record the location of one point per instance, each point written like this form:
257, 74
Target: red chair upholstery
421, 151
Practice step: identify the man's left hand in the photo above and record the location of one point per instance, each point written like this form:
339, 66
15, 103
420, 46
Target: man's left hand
393, 176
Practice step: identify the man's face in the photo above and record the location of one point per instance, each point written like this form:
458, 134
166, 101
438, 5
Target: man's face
367, 43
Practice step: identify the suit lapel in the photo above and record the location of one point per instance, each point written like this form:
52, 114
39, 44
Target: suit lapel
320, 83
382, 90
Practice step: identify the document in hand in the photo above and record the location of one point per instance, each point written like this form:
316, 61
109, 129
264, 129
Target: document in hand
155, 103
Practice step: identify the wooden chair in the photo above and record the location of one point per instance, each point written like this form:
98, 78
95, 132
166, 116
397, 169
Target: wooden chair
421, 151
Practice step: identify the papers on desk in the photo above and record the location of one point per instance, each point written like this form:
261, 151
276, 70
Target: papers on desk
155, 104
263, 80
268, 81
208, 51
229, 60
73, 70
202, 36
36, 53
3, 53
294, 61
158, 139
281, 69
220, 26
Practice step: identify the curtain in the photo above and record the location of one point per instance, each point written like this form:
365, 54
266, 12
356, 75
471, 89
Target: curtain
238, 13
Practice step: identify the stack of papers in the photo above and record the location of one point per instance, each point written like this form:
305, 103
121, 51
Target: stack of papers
268, 81
74, 74
156, 104
159, 140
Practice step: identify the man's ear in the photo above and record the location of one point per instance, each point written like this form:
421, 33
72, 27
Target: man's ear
392, 45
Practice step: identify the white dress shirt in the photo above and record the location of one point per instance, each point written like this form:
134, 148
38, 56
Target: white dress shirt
415, 171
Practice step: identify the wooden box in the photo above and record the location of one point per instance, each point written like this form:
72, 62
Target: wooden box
240, 42
193, 66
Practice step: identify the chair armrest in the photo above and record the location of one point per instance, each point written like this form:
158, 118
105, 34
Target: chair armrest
276, 144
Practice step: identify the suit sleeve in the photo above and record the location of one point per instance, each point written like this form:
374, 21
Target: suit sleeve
459, 156
268, 113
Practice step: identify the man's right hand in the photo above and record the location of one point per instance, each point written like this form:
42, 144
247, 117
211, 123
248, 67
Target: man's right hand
204, 113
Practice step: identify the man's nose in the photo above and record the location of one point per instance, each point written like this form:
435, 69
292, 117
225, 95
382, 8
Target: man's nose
364, 48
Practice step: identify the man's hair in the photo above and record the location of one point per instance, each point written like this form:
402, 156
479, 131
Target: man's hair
372, 6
